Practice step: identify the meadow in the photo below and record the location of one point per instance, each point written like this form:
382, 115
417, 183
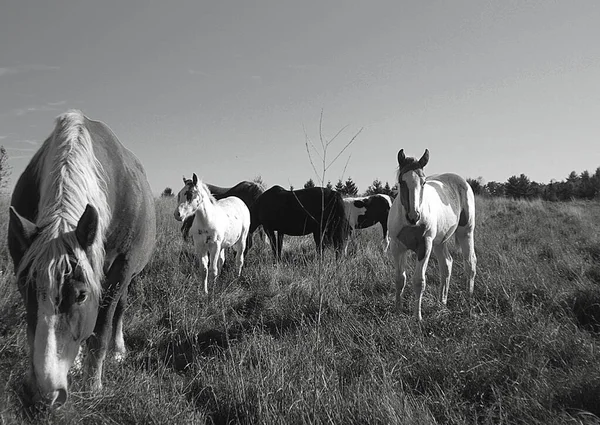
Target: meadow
310, 341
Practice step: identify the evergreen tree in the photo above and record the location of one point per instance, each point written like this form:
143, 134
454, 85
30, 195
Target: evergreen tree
495, 189
329, 185
475, 185
310, 183
339, 187
518, 187
350, 187
387, 190
167, 193
375, 187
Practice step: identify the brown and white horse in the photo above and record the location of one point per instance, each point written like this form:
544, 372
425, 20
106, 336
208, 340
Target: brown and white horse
366, 211
423, 217
82, 224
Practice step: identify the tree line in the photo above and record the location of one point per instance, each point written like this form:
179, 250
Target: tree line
582, 185
576, 186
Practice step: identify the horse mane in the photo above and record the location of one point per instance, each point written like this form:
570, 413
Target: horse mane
70, 177
203, 188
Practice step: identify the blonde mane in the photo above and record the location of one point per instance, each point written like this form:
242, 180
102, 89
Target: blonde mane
70, 177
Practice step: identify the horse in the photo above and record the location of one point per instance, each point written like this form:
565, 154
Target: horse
366, 211
423, 217
245, 190
81, 226
218, 224
315, 210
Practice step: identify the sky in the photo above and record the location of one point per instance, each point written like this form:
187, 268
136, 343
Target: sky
231, 90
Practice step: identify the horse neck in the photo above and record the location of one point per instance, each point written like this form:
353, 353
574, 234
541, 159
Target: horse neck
206, 209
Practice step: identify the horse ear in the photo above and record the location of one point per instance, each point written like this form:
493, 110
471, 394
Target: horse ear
424, 159
401, 157
87, 227
184, 180
195, 179
23, 230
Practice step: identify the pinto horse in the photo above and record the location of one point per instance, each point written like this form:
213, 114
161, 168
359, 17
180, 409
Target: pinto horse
245, 190
82, 225
424, 215
366, 211
315, 210
217, 225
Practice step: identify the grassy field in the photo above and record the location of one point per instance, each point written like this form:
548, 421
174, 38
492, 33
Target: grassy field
299, 343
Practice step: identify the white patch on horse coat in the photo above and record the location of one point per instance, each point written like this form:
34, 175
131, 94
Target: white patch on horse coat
352, 211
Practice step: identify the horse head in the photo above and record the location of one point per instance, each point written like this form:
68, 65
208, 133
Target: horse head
61, 291
188, 199
411, 180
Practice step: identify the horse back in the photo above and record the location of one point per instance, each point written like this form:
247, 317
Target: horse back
132, 229
454, 191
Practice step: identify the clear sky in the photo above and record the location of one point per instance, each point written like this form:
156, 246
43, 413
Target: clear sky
232, 89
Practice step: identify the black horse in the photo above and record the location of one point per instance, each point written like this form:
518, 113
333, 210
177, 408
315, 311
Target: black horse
315, 210
245, 190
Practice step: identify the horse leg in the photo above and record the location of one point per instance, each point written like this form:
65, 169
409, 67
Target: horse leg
221, 261
117, 280
279, 243
467, 246
239, 257
204, 271
444, 259
419, 277
214, 251
398, 257
117, 336
385, 243
272, 241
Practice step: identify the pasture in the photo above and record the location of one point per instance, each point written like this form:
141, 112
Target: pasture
305, 341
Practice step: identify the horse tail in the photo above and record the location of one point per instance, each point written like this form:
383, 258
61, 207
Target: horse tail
338, 229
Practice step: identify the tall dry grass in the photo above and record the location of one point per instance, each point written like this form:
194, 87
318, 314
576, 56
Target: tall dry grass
523, 350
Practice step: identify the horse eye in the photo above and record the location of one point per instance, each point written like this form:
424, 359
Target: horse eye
81, 297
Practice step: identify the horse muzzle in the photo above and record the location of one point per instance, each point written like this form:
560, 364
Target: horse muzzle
413, 219
53, 397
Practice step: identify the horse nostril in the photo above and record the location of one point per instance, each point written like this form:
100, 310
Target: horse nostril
58, 398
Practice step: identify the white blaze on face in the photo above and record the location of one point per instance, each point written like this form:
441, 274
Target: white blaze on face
50, 358
413, 183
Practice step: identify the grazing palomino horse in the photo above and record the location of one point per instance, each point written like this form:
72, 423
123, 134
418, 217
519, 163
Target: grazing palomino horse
315, 210
82, 224
217, 225
424, 215
366, 211
245, 190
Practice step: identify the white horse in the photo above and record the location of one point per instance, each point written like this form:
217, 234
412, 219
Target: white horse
217, 225
423, 217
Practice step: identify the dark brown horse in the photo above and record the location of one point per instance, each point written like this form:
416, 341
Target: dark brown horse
316, 210
82, 224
